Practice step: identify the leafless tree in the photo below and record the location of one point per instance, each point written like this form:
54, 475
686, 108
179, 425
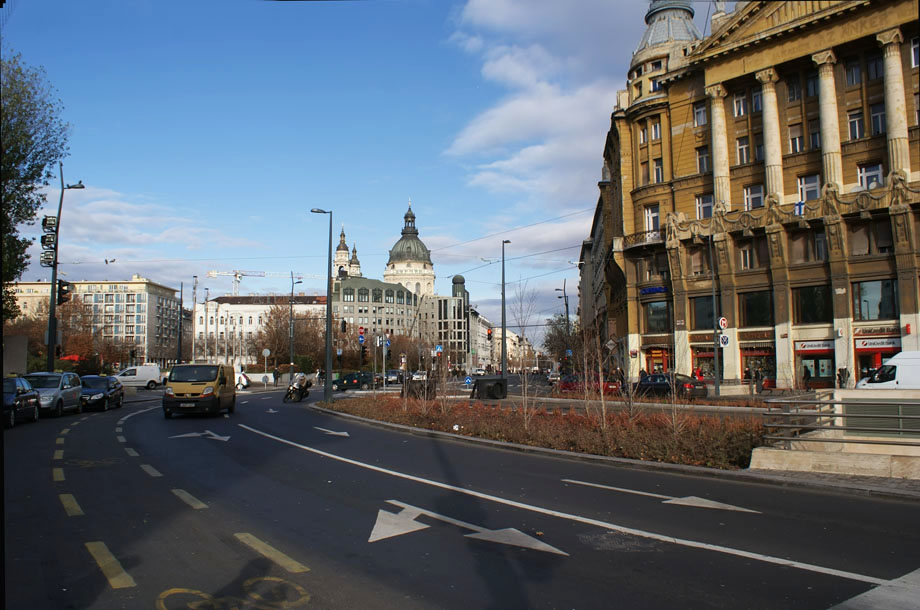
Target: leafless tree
522, 311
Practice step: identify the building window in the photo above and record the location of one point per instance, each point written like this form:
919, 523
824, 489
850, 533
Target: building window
656, 130
704, 206
699, 114
658, 317
651, 218
400, 297
743, 148
643, 135
752, 254
855, 121
655, 65
643, 167
756, 100
756, 308
795, 90
812, 305
811, 84
746, 257
854, 74
876, 300
795, 138
753, 196
809, 187
699, 261
820, 246
877, 118
875, 67
702, 159
655, 85
377, 295
758, 147
659, 171
814, 134
740, 104
388, 296
915, 52
348, 294
870, 175
363, 295
701, 310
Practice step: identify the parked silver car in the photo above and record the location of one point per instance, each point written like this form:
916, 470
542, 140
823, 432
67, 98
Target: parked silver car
58, 392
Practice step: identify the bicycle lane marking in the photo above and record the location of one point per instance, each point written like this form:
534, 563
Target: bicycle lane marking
580, 519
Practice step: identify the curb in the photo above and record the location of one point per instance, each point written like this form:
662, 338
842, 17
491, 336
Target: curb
867, 486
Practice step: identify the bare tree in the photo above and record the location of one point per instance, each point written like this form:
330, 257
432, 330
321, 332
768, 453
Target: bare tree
523, 312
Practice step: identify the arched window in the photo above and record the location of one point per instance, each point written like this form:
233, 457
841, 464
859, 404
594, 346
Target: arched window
415, 300
400, 297
362, 295
348, 294
418, 288
388, 297
378, 295
250, 320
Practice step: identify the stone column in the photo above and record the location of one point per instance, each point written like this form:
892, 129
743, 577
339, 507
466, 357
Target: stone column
830, 126
895, 107
720, 178
773, 152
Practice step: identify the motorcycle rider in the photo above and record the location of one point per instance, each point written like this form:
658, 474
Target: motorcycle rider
299, 384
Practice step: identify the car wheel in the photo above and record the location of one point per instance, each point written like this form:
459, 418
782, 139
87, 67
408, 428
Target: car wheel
364, 386
59, 410
335, 386
35, 413
120, 403
167, 414
151, 385
79, 407
105, 404
12, 419
232, 406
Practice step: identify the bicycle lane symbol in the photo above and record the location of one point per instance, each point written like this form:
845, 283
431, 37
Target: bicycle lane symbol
260, 593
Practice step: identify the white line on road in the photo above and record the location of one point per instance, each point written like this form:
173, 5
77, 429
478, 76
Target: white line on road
189, 499
131, 452
121, 439
580, 519
150, 470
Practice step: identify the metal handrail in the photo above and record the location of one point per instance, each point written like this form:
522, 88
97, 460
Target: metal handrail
655, 236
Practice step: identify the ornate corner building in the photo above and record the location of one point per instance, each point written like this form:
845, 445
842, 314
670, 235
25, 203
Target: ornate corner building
768, 173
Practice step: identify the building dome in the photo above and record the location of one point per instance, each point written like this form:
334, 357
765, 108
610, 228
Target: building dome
409, 248
342, 247
459, 279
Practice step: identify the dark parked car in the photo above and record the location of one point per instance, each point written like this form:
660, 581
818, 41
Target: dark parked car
58, 392
395, 376
20, 401
661, 384
101, 392
354, 381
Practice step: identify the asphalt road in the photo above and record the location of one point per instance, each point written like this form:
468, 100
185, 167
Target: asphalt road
275, 507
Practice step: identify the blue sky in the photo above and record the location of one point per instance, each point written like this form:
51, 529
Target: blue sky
206, 130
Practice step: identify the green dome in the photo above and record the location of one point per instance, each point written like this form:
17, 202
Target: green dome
409, 248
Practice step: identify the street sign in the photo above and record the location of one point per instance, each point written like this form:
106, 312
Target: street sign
361, 339
361, 330
723, 340
438, 349
610, 344
723, 323
468, 380
388, 343
266, 352
568, 352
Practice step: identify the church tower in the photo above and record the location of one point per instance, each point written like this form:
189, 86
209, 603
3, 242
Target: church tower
341, 263
410, 260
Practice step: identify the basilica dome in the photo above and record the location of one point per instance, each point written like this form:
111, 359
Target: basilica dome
409, 248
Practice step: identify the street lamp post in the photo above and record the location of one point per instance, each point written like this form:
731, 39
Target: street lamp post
715, 320
291, 319
565, 300
504, 331
52, 320
327, 393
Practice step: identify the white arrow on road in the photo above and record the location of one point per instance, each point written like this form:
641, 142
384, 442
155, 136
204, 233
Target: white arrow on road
208, 433
686, 501
271, 411
332, 432
395, 524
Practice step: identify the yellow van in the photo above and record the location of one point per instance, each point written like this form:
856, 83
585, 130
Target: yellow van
199, 388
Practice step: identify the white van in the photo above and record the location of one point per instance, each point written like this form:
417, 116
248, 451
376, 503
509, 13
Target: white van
146, 375
901, 372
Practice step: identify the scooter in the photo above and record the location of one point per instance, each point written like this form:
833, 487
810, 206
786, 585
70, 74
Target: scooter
295, 393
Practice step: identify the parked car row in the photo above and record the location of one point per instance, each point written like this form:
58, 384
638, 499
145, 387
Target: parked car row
36, 395
658, 384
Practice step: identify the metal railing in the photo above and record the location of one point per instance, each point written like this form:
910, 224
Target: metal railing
643, 238
865, 421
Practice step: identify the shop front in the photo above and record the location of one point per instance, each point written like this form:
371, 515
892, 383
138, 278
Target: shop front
758, 357
817, 358
704, 359
658, 358
873, 352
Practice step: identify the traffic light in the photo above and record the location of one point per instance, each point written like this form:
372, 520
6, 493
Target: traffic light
343, 326
489, 334
49, 224
64, 290
363, 353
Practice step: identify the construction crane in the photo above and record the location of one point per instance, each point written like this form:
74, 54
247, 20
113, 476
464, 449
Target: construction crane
237, 275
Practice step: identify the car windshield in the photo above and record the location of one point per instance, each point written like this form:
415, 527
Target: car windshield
9, 386
95, 383
193, 373
44, 381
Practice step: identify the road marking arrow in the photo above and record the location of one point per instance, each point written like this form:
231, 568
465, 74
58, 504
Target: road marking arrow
389, 524
687, 501
271, 411
208, 433
332, 432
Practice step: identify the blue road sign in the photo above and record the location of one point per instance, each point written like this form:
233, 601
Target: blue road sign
361, 339
438, 348
568, 352
388, 343
468, 380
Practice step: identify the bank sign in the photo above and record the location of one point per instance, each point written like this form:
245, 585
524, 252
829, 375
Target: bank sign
880, 343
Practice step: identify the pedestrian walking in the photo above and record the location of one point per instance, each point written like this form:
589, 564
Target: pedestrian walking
276, 374
806, 378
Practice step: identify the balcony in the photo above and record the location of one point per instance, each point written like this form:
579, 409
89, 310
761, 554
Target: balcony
645, 238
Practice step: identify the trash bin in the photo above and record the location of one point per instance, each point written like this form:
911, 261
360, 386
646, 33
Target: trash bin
490, 387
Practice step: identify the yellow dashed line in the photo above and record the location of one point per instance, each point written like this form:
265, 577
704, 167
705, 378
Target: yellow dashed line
59, 441
58, 454
116, 575
189, 499
272, 553
57, 474
70, 505
65, 431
